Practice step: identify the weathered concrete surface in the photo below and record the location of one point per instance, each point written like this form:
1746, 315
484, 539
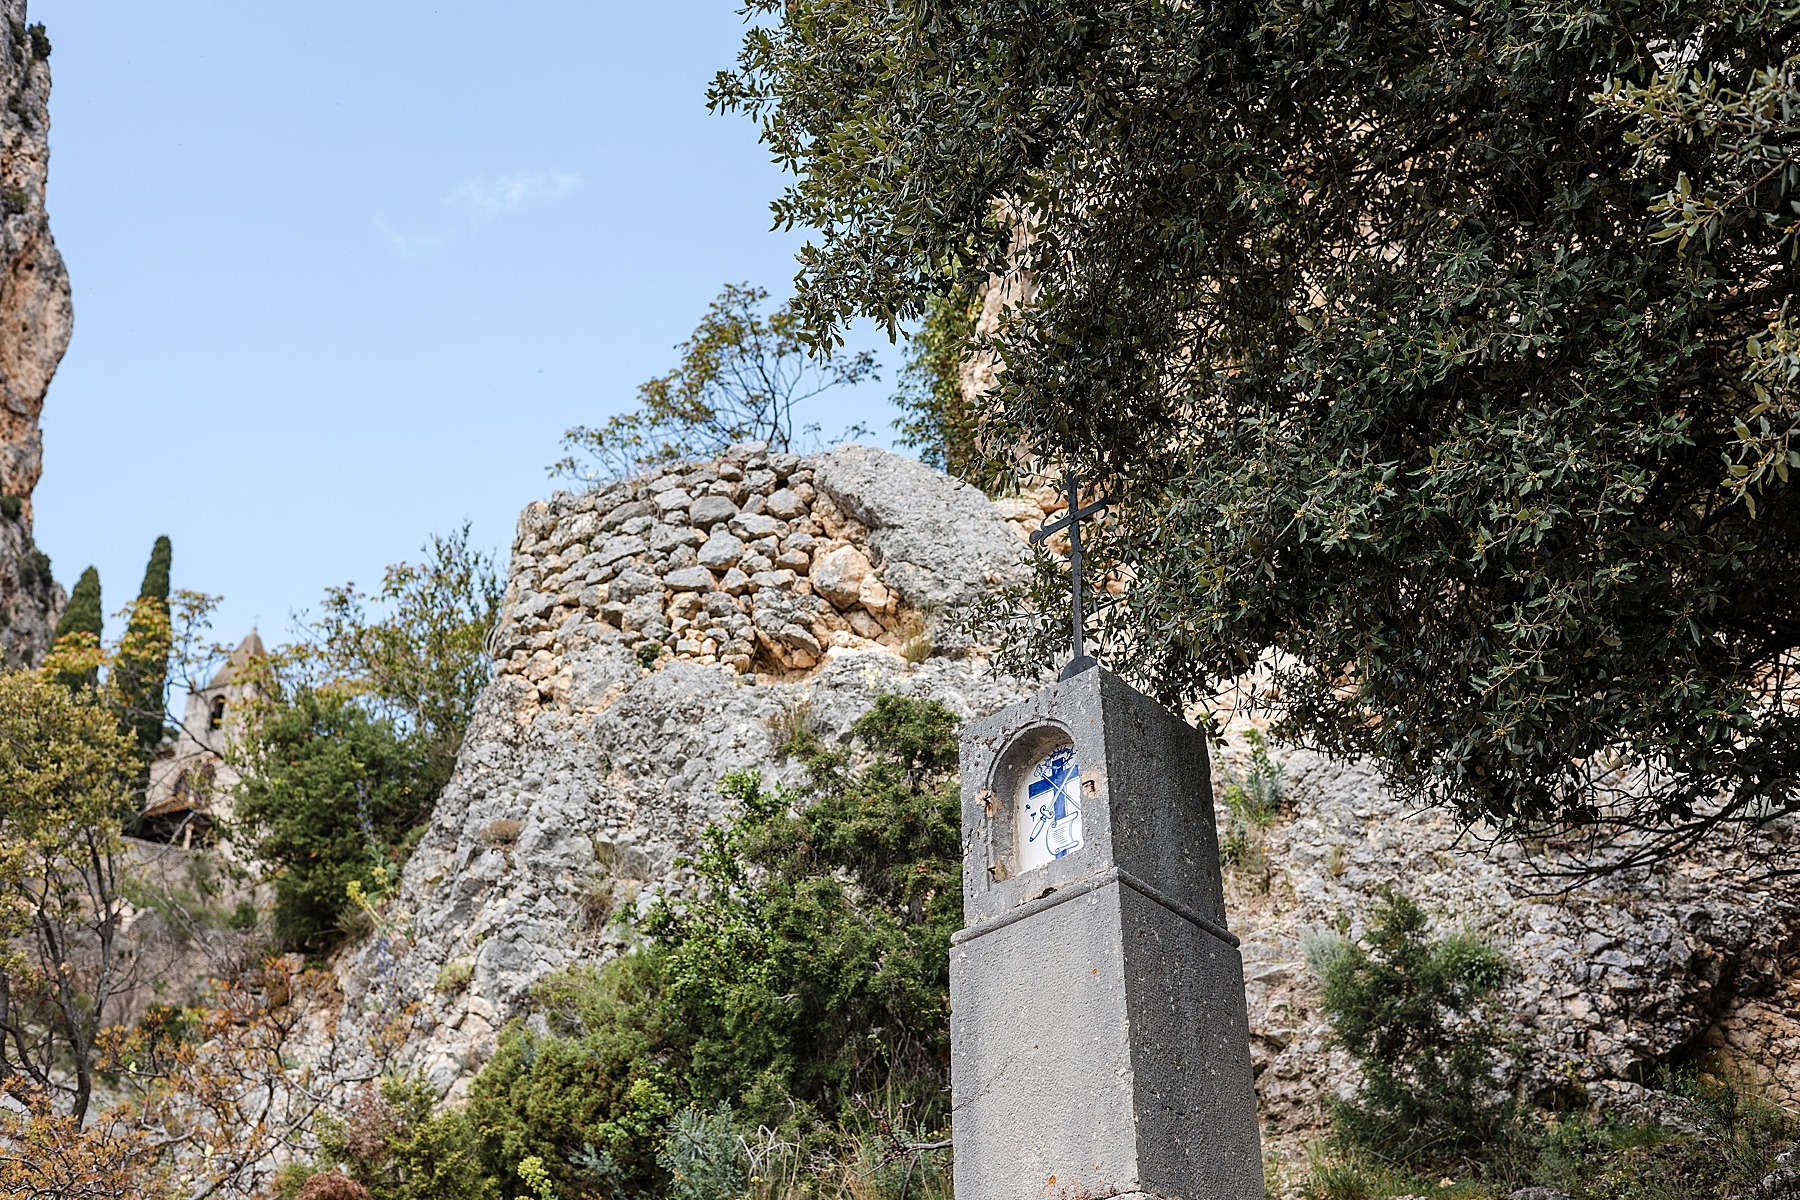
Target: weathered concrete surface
35, 321
1099, 1041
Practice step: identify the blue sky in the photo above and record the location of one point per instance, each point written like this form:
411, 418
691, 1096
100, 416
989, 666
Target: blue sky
343, 273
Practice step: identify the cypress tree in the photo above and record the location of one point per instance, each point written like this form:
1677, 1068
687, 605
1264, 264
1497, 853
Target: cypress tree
142, 670
156, 574
80, 615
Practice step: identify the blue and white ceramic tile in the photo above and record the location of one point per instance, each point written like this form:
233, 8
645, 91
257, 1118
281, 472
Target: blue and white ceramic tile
1050, 815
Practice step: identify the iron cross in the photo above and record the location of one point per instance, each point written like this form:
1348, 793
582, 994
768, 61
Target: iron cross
1071, 521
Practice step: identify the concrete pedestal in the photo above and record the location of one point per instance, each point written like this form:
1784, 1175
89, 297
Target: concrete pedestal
1099, 1041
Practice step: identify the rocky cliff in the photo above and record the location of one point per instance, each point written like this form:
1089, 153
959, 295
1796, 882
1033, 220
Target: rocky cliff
666, 630
35, 320
656, 635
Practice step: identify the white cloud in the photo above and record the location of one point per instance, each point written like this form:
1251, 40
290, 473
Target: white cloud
481, 201
485, 199
413, 245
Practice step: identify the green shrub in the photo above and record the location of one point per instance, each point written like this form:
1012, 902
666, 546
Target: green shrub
702, 1156
1252, 802
1723, 1141
809, 968
1354, 1177
454, 976
395, 1144
329, 798
1412, 1010
10, 505
34, 572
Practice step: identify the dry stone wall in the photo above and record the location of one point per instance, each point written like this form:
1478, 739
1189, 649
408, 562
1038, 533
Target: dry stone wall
656, 635
758, 562
666, 630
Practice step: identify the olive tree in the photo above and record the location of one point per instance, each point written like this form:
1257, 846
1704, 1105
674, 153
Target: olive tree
66, 773
1439, 355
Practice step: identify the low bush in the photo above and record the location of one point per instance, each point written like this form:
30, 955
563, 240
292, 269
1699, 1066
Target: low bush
809, 969
395, 1145
1413, 1011
1434, 1114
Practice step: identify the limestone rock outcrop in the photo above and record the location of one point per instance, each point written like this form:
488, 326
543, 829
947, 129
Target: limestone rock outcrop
656, 635
35, 321
1611, 978
666, 630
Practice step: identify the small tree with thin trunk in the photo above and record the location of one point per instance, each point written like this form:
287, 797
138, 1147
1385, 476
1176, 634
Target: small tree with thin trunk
742, 377
65, 774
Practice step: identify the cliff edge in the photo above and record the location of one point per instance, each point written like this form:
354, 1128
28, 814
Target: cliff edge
35, 321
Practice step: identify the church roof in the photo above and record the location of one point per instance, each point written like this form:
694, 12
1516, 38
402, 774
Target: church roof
248, 651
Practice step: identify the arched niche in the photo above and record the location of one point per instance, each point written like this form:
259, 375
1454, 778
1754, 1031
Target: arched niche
1036, 815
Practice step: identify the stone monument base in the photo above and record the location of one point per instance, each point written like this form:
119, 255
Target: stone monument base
1099, 1041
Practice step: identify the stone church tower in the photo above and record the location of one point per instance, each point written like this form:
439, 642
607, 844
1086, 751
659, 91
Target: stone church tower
191, 780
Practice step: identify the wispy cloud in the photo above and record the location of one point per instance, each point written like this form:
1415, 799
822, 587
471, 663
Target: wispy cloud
485, 199
413, 245
481, 201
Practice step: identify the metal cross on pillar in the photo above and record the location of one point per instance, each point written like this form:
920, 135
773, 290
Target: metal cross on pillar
1079, 660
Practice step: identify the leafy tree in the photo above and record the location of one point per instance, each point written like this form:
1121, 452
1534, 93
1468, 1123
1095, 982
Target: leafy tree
329, 796
1412, 1011
415, 651
741, 377
141, 673
354, 731
811, 967
1442, 350
81, 619
939, 420
65, 774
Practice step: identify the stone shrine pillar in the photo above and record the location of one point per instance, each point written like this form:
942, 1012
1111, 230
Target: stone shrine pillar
1099, 1042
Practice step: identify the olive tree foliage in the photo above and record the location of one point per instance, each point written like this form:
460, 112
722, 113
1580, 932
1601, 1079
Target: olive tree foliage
1438, 354
414, 651
743, 376
66, 773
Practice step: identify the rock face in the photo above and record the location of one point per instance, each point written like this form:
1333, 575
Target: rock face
35, 320
671, 628
1611, 978
655, 636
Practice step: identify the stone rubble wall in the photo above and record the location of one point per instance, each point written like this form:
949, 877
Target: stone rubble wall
665, 630
755, 561
35, 322
655, 635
